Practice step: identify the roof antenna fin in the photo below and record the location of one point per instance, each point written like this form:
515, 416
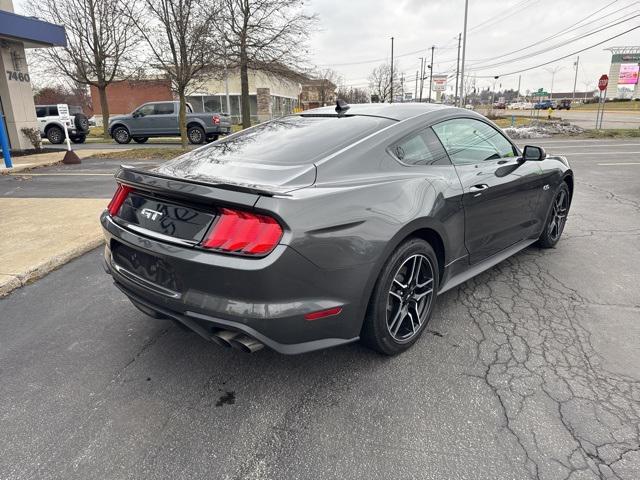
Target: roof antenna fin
341, 107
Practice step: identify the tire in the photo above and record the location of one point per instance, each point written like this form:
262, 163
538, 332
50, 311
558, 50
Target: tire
195, 134
140, 139
121, 135
79, 139
394, 308
556, 219
81, 122
55, 135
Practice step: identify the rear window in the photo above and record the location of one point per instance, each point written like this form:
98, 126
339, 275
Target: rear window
292, 140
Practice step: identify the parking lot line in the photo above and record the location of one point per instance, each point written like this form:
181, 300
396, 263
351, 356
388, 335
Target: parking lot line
619, 163
598, 153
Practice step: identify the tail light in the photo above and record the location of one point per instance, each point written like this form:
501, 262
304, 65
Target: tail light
118, 199
243, 232
216, 120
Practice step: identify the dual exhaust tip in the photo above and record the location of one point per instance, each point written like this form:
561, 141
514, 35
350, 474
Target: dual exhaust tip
237, 340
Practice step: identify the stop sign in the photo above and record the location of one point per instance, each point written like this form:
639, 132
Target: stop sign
603, 82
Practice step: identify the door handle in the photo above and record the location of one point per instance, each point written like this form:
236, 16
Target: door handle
478, 188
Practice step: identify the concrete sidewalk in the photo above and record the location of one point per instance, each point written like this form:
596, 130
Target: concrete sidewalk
38, 235
27, 162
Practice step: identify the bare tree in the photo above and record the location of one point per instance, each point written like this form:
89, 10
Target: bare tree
101, 43
380, 82
268, 35
179, 37
328, 80
353, 94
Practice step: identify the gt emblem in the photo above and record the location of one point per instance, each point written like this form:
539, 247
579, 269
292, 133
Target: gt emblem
546, 187
150, 214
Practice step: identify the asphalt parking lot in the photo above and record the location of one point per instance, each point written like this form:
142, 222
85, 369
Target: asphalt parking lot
531, 370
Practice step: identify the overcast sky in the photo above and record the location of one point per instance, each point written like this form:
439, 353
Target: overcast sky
353, 36
356, 31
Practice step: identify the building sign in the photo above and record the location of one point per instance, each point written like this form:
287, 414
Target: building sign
439, 83
625, 58
628, 74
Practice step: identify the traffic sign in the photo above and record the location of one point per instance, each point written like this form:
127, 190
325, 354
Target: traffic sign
63, 112
603, 82
540, 93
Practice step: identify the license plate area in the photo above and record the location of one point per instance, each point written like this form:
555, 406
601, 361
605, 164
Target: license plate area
164, 217
145, 269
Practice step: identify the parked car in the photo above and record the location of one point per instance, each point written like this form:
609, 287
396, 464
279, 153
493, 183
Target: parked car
331, 225
545, 104
160, 119
51, 126
527, 105
515, 106
564, 104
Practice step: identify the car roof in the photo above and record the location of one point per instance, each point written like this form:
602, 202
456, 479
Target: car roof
394, 111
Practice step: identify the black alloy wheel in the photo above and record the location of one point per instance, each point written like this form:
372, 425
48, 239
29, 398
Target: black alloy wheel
403, 298
557, 218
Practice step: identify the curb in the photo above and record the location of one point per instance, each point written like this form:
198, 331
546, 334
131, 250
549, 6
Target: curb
40, 270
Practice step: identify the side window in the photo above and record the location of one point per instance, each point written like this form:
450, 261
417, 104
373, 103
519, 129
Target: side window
470, 141
163, 109
421, 148
41, 112
146, 110
53, 111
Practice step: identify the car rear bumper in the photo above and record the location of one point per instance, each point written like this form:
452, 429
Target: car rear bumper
265, 298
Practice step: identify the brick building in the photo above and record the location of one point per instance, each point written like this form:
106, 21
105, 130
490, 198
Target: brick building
125, 95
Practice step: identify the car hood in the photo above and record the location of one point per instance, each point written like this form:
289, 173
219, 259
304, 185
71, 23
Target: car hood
113, 118
274, 178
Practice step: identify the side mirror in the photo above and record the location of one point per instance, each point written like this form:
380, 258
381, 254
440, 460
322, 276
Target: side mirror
533, 153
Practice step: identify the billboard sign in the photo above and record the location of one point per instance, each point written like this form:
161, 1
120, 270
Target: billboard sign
628, 74
439, 83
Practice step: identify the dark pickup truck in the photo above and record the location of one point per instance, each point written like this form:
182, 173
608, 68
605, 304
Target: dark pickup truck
160, 119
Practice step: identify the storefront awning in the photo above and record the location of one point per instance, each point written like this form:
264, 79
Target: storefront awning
32, 32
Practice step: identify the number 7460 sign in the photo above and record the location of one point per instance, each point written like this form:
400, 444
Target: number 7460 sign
19, 76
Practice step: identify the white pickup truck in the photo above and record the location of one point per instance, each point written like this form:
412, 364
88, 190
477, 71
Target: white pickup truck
52, 126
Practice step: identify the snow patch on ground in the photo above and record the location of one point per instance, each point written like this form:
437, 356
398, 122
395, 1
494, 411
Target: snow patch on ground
543, 130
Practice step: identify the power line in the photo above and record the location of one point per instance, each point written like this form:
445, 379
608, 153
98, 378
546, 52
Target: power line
563, 57
564, 31
553, 47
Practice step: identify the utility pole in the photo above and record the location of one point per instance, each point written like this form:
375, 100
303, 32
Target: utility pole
415, 95
455, 95
464, 50
431, 72
518, 92
421, 76
391, 99
575, 79
402, 87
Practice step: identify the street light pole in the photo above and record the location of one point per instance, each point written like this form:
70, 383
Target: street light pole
431, 73
464, 50
391, 90
575, 79
455, 95
421, 76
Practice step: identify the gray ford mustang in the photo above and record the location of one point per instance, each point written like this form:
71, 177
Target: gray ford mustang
330, 226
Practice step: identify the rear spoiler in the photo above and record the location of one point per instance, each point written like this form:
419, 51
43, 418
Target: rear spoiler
246, 195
